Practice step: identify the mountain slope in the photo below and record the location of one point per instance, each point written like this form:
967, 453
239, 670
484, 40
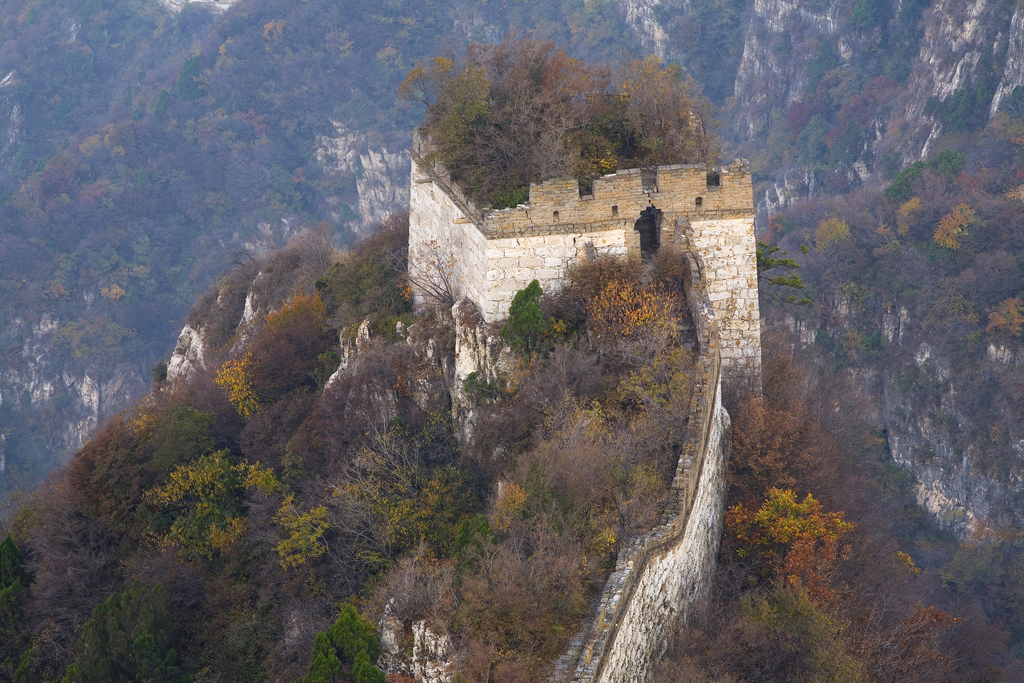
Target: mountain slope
147, 150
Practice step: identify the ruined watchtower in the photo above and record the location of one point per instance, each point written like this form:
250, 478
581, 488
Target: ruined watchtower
488, 255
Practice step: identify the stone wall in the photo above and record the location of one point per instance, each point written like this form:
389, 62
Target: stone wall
513, 262
495, 253
441, 238
728, 264
663, 574
672, 583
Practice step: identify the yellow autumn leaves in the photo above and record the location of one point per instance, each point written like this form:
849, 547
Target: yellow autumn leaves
234, 377
953, 226
829, 232
305, 533
204, 496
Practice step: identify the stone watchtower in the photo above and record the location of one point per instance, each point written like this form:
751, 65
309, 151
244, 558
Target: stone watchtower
488, 255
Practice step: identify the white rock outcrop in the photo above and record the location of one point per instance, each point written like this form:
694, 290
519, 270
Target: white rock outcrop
213, 5
188, 355
431, 655
1013, 71
380, 177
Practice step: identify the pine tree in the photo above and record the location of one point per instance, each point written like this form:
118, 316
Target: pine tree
349, 637
525, 320
12, 565
14, 641
128, 638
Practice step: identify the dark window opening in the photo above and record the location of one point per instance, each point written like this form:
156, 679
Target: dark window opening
650, 235
699, 201
555, 216
615, 210
714, 179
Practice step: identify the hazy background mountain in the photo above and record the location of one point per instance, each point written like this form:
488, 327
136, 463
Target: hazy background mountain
146, 148
150, 150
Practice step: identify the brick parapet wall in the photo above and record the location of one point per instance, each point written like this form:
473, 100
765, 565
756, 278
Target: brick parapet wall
626, 636
501, 251
616, 202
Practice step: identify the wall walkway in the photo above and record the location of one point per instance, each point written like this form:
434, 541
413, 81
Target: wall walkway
664, 574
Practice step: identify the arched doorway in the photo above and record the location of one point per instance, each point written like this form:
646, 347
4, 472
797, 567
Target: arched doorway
650, 234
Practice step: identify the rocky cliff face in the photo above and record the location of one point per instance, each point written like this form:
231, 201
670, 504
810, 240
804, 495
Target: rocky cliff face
1013, 69
920, 401
769, 76
63, 401
957, 38
640, 16
950, 481
481, 357
420, 653
381, 178
189, 354
10, 125
478, 355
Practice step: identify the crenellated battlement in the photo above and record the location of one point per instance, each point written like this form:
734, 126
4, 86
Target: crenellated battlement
619, 198
555, 206
489, 254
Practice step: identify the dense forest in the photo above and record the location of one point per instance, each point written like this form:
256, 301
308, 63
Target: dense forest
223, 520
256, 519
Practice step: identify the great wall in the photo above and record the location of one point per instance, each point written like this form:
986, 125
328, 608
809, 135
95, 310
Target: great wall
708, 215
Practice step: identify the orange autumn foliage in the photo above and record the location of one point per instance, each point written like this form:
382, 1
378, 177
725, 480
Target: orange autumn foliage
624, 308
302, 307
1007, 318
797, 540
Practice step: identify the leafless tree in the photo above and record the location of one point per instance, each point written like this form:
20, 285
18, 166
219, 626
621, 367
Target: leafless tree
432, 273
